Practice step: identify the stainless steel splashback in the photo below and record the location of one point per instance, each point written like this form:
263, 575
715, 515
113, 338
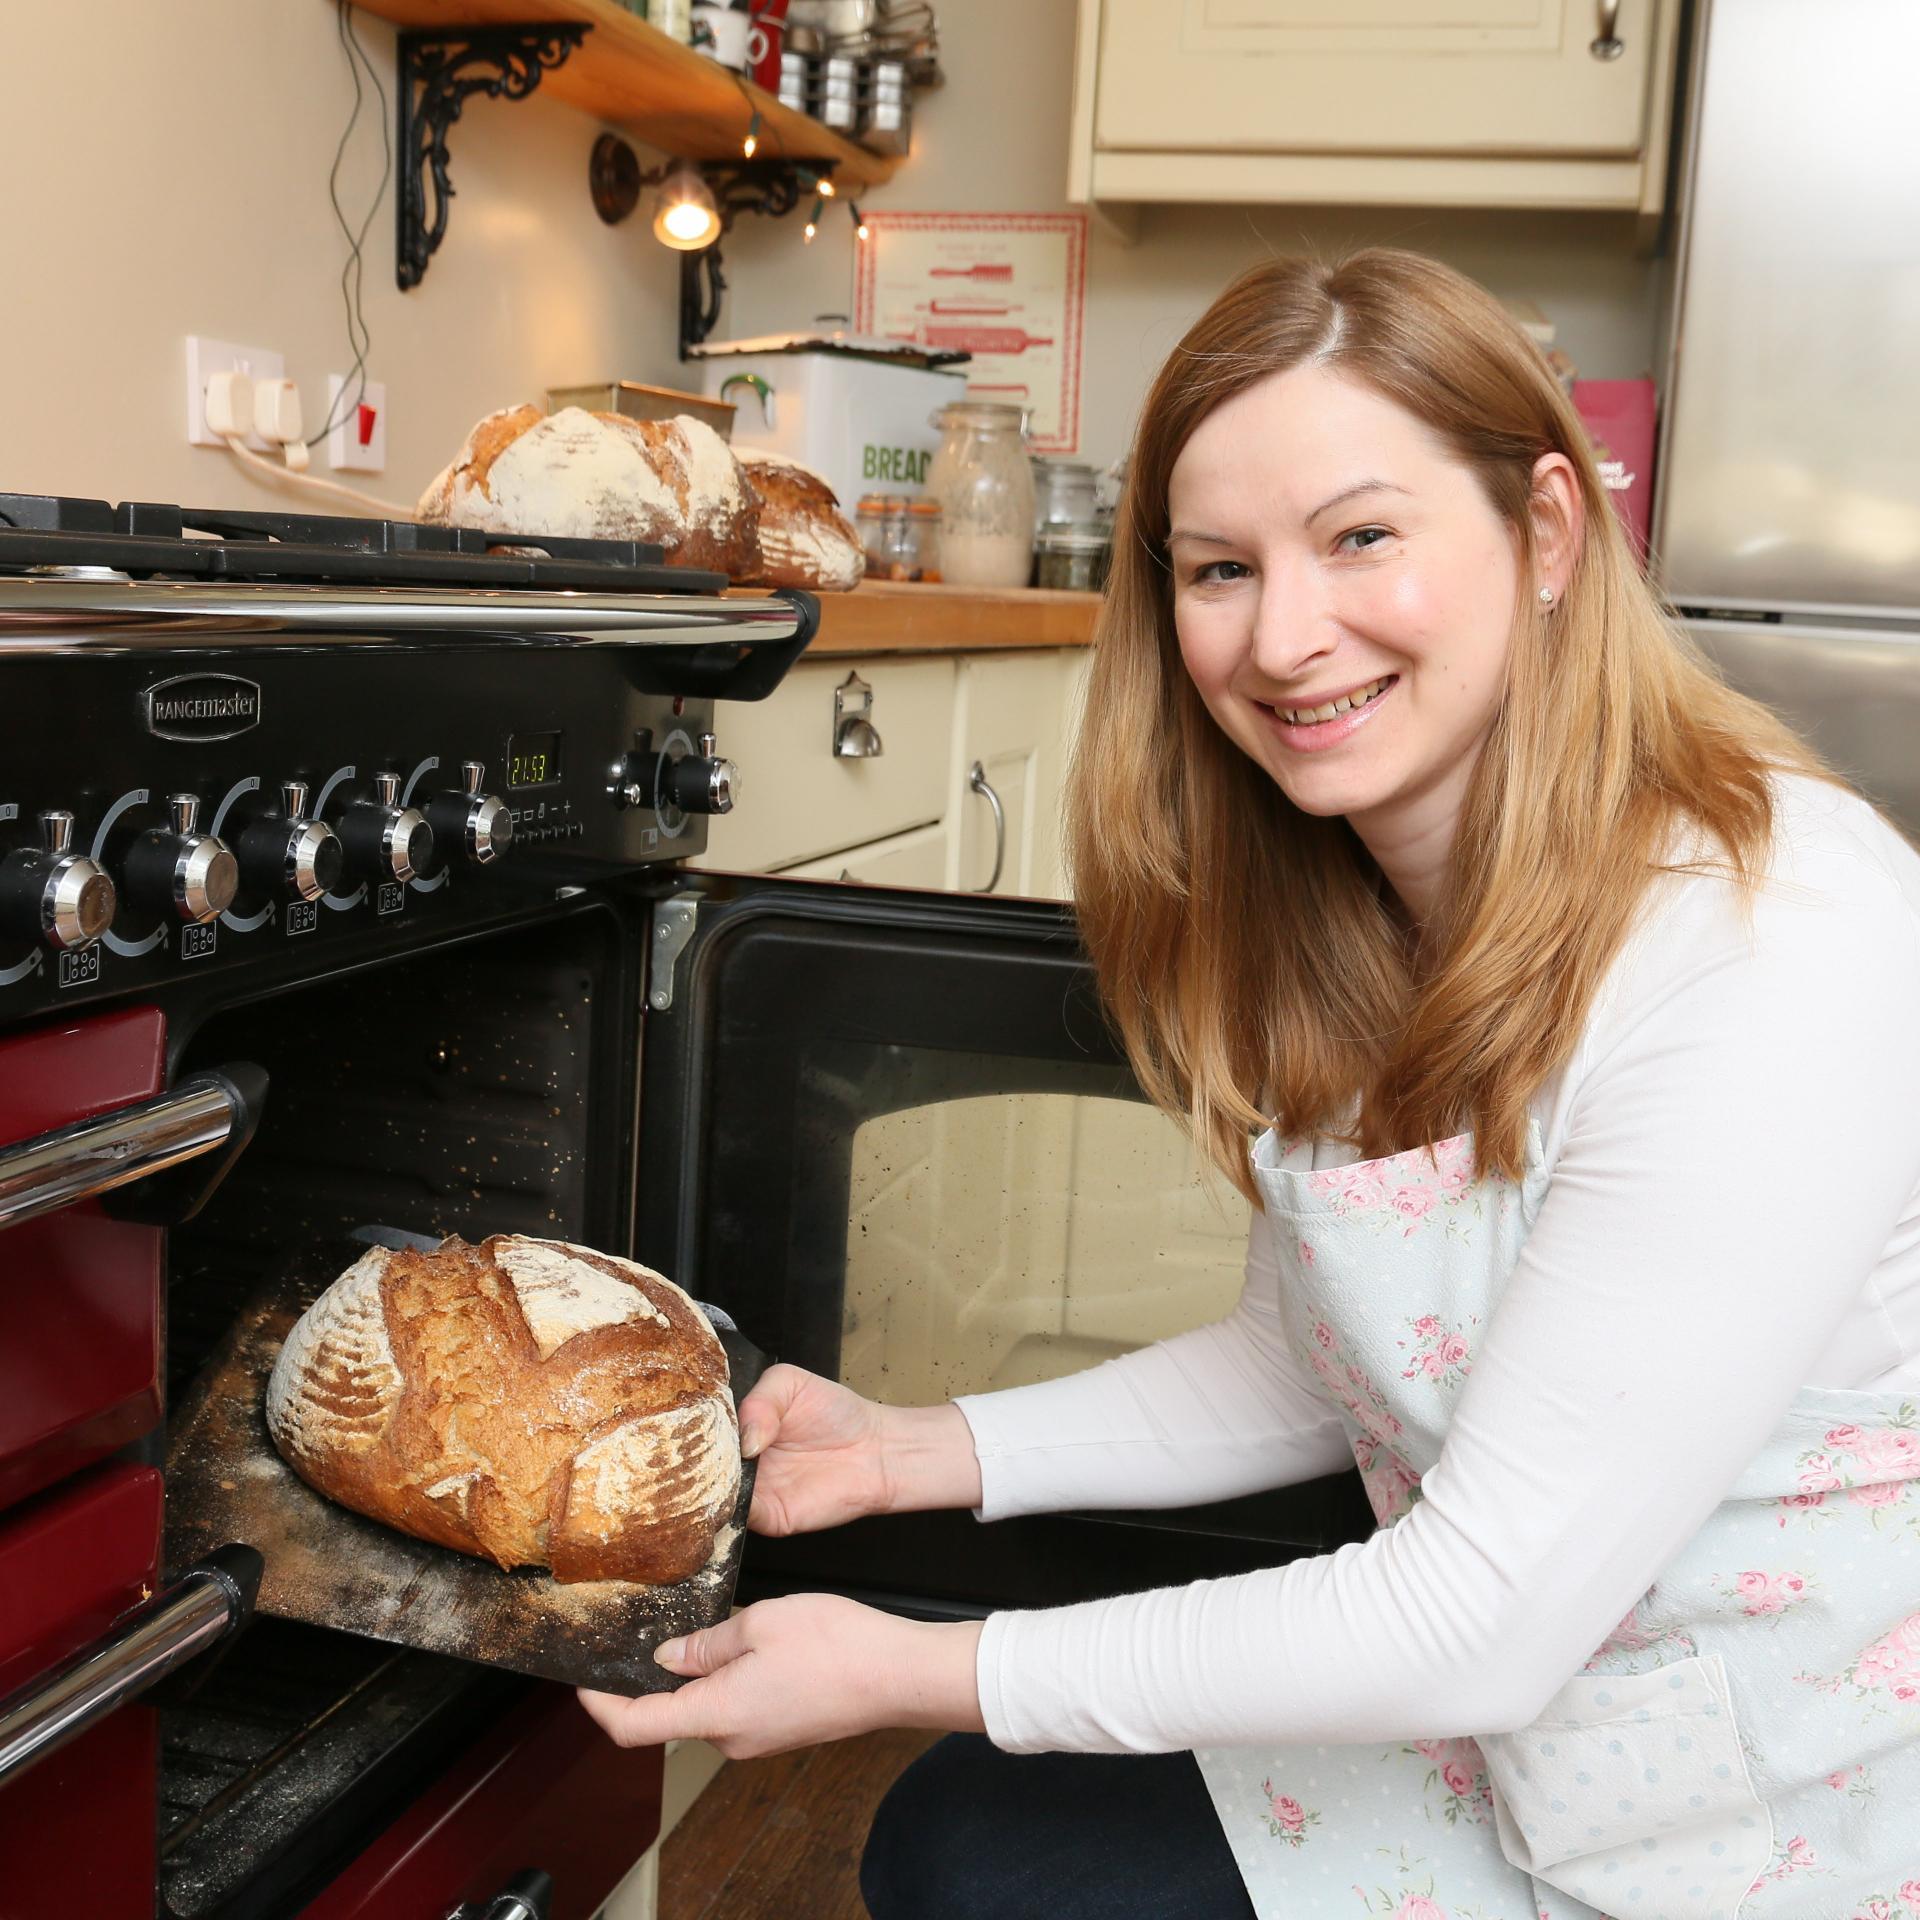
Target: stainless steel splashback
1790, 466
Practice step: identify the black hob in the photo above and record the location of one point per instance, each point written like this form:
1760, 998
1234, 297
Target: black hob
145, 540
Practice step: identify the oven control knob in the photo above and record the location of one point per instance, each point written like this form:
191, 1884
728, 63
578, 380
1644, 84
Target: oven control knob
287, 856
177, 870
54, 895
693, 783
476, 823
383, 840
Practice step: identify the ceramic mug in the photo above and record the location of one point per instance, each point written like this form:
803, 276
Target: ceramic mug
764, 38
720, 32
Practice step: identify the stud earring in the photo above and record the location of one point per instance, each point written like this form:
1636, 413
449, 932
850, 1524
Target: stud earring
1546, 596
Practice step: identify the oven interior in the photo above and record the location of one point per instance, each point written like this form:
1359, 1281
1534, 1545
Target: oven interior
475, 1089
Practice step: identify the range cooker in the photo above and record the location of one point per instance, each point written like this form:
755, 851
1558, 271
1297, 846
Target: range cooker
305, 826
345, 890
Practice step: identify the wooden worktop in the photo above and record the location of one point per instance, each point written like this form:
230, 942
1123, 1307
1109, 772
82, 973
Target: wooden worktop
884, 616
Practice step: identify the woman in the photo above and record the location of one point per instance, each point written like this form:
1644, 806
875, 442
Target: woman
1577, 1010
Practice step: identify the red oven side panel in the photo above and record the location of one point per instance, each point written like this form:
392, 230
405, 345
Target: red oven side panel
77, 1830
79, 1292
546, 1789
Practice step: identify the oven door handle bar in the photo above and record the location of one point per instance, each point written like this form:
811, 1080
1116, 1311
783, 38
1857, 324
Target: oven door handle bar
204, 1113
196, 1613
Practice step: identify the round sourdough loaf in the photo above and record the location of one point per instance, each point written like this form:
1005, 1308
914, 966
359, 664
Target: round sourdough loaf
600, 476
529, 1401
805, 540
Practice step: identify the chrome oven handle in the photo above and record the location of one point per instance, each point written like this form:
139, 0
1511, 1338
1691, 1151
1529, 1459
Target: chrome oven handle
91, 1157
195, 1613
978, 781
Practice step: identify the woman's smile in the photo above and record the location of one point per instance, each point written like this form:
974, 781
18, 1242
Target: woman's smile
1312, 729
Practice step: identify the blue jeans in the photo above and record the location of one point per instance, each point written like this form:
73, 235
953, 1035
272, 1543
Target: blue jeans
970, 1833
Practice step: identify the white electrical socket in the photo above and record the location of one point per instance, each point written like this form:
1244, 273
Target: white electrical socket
207, 357
347, 451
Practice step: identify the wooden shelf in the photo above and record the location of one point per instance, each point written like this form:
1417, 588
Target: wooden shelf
632, 75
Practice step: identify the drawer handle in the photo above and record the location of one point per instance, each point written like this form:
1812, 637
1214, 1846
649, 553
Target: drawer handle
1609, 45
855, 737
196, 1613
91, 1157
978, 781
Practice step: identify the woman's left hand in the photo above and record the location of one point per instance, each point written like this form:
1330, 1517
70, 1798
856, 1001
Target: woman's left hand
802, 1669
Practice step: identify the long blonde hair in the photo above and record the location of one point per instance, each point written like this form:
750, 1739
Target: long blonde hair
1243, 947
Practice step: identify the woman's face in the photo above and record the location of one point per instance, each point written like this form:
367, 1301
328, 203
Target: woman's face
1326, 549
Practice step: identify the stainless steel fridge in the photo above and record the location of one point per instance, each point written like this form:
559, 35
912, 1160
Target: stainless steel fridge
1787, 526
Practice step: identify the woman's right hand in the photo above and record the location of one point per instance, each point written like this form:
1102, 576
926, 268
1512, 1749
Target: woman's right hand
818, 1444
828, 1456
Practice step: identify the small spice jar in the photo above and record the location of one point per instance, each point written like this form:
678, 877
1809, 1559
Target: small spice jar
1072, 557
870, 522
923, 525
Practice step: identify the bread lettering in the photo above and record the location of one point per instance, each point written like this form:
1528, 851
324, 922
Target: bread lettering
529, 1401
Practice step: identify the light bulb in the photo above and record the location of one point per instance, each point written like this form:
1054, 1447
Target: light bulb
826, 187
688, 217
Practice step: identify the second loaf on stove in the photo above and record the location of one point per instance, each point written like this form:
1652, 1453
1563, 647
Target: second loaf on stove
527, 1400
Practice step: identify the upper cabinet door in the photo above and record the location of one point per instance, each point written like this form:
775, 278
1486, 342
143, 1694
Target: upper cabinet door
1384, 77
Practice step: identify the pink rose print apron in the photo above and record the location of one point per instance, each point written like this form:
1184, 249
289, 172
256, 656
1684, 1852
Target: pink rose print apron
1746, 1744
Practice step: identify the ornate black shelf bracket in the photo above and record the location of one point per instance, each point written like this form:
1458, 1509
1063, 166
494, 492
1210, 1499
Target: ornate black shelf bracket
446, 68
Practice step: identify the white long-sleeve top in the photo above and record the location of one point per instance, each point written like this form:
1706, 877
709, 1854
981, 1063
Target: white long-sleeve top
1732, 1213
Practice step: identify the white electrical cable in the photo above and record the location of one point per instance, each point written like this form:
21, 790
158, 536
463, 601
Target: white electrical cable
386, 509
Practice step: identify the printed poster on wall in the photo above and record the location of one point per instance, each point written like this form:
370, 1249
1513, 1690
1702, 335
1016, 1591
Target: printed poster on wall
1008, 288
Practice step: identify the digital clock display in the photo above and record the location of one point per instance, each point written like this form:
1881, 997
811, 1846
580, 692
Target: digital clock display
533, 759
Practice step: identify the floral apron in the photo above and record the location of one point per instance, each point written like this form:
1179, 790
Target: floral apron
1746, 1744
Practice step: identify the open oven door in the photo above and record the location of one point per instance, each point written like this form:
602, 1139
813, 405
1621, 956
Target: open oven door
893, 1136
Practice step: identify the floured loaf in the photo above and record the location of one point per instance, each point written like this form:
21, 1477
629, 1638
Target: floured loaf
529, 1401
601, 476
805, 540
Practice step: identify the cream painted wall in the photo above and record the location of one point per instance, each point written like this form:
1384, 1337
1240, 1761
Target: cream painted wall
166, 169
995, 138
168, 165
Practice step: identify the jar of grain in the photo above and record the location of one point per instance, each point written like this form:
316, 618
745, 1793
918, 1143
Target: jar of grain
981, 479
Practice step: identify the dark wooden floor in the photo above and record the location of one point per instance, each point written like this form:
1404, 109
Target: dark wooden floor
776, 1838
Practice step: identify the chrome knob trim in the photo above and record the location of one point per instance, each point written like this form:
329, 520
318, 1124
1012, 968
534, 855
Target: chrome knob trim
80, 900
206, 877
723, 787
313, 860
383, 841
52, 895
178, 871
408, 844
479, 824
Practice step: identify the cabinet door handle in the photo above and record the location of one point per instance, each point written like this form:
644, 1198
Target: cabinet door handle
1608, 45
977, 780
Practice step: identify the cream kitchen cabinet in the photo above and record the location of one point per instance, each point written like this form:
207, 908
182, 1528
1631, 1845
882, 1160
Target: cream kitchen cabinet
1513, 103
914, 813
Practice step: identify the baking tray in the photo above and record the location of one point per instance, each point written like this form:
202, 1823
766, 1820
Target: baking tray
333, 1568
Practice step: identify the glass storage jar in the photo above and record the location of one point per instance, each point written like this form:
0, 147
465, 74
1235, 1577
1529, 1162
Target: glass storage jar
1073, 556
1063, 493
982, 481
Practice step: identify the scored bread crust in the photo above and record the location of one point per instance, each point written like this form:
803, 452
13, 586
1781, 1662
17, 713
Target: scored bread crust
529, 1401
600, 476
805, 540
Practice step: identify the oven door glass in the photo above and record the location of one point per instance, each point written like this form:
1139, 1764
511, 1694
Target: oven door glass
893, 1136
